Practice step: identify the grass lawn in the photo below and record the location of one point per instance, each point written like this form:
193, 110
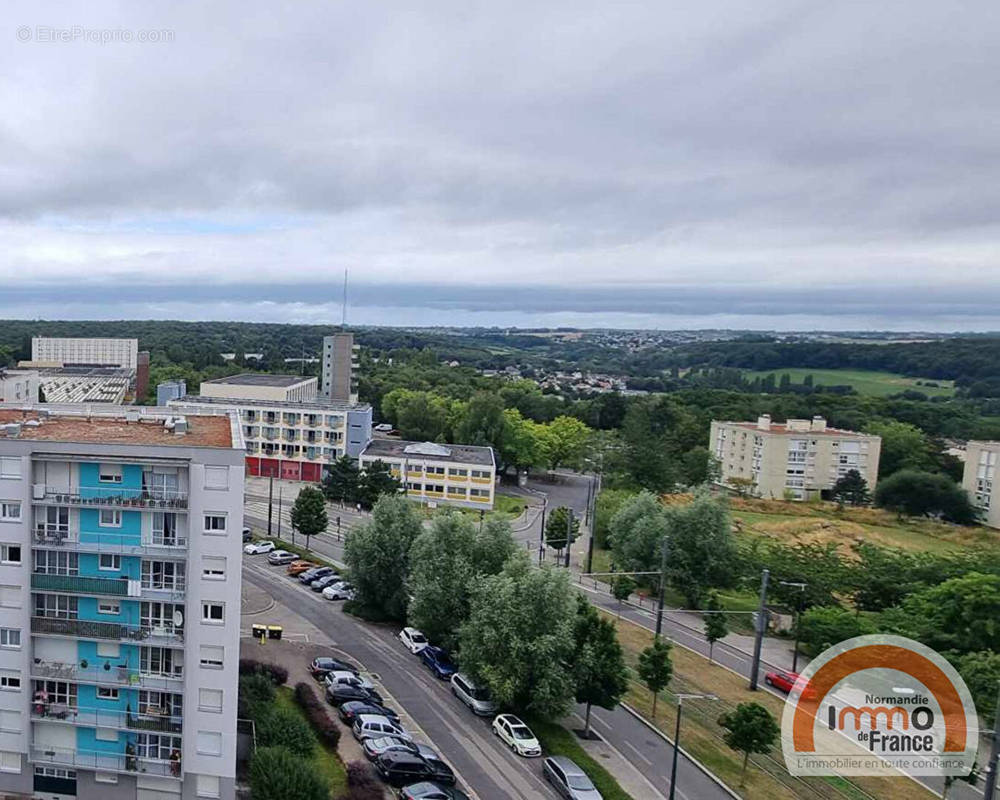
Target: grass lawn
324, 762
877, 384
557, 741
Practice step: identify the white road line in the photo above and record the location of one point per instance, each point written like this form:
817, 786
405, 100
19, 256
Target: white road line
635, 750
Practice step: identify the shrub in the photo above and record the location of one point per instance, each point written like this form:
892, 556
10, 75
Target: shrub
278, 774
281, 726
367, 613
315, 711
361, 776
823, 626
256, 693
275, 672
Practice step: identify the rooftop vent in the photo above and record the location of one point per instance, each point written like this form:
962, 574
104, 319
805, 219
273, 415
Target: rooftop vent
12, 429
764, 422
180, 426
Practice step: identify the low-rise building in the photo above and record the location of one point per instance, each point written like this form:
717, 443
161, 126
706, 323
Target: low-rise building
170, 390
19, 386
89, 352
978, 476
438, 474
799, 459
260, 386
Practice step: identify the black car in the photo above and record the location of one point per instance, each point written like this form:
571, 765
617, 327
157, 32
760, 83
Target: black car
440, 772
349, 710
400, 768
431, 791
340, 693
315, 573
321, 666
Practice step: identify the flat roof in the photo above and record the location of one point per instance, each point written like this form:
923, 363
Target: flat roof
430, 451
202, 431
259, 379
783, 430
302, 406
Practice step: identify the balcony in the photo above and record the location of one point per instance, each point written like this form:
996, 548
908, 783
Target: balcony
89, 629
102, 718
160, 543
113, 496
104, 762
108, 674
74, 584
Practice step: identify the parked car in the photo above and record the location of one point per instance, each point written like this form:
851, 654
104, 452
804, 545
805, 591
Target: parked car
413, 640
348, 711
310, 575
440, 771
516, 735
431, 791
375, 747
437, 660
568, 779
340, 590
375, 726
256, 548
785, 681
247, 535
299, 566
280, 557
383, 427
477, 698
322, 582
341, 693
320, 666
399, 768
347, 678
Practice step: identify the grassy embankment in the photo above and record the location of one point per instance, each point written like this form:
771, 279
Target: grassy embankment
867, 382
325, 761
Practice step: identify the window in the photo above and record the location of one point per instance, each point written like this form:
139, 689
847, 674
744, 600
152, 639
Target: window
216, 477
109, 561
10, 680
168, 575
106, 693
108, 650
156, 746
110, 473
213, 613
108, 607
10, 511
10, 762
161, 661
209, 743
10, 468
159, 615
105, 777
106, 734
10, 554
210, 656
208, 786
10, 596
215, 523
56, 772
210, 699
55, 562
110, 518
10, 637
55, 605
213, 568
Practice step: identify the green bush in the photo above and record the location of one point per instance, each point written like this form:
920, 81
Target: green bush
823, 626
256, 693
277, 726
278, 774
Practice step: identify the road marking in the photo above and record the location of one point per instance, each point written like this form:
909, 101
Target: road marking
635, 750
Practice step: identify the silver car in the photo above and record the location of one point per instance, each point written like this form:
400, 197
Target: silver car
568, 779
477, 698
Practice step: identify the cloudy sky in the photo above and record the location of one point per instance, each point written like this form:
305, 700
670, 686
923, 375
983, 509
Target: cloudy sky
655, 164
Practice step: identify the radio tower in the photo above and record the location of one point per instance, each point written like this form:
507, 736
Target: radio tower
343, 315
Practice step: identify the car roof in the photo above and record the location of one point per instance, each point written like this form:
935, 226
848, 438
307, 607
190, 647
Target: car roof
567, 765
366, 718
401, 755
511, 719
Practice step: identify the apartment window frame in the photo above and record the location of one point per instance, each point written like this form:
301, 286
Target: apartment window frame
55, 562
211, 523
208, 610
213, 707
208, 743
213, 568
105, 777
114, 514
208, 786
109, 607
7, 637
217, 478
212, 656
8, 551
10, 680
107, 693
114, 559
6, 756
109, 473
10, 511
10, 467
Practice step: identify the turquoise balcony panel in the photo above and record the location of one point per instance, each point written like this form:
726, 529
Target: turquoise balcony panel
129, 566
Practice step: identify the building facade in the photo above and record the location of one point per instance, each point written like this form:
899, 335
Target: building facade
438, 474
800, 459
290, 440
120, 573
170, 390
340, 362
19, 386
257, 386
86, 352
977, 479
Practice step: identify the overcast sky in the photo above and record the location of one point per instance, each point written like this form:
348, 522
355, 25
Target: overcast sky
655, 164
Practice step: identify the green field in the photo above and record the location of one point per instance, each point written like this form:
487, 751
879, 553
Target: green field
878, 384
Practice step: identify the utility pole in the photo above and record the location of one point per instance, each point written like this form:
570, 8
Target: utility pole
758, 641
595, 487
677, 734
541, 534
270, 503
989, 792
569, 533
279, 512
663, 587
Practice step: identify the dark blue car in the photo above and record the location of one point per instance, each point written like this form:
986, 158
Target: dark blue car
438, 662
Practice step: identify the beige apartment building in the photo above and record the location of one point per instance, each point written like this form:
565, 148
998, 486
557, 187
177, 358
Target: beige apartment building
977, 479
799, 459
258, 386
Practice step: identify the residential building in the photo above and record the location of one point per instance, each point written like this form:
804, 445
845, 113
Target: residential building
120, 560
978, 476
260, 386
170, 390
799, 459
339, 364
86, 352
438, 474
290, 440
19, 386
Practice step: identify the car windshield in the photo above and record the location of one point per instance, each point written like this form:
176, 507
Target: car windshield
579, 782
443, 660
481, 694
521, 732
419, 638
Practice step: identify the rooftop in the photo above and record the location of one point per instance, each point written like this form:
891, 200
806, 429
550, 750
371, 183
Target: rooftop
290, 405
259, 379
114, 428
457, 453
781, 429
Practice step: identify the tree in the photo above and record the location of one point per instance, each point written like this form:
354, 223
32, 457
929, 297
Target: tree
716, 625
483, 422
598, 662
700, 550
637, 532
608, 502
377, 553
277, 774
521, 446
340, 484
422, 416
280, 726
742, 486
655, 668
518, 639
622, 587
309, 512
557, 526
256, 692
750, 728
376, 481
821, 627
564, 441
924, 494
959, 614
699, 466
981, 672
493, 546
904, 446
852, 489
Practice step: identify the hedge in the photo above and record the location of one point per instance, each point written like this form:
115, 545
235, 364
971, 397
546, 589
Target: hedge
315, 711
277, 673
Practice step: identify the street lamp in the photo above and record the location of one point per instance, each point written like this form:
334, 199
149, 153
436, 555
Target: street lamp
681, 697
801, 586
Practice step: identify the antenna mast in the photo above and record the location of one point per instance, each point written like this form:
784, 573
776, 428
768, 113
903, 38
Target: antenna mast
343, 316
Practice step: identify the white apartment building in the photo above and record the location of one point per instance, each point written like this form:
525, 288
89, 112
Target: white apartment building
977, 479
256, 386
800, 459
120, 574
19, 386
86, 352
438, 474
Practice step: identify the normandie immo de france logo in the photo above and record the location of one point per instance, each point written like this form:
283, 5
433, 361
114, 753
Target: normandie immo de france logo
879, 705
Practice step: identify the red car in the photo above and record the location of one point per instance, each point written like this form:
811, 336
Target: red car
785, 681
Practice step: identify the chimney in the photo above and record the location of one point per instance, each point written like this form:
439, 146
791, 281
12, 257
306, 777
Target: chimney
764, 422
818, 424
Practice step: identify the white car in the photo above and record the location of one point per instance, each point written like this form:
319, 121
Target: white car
383, 427
517, 735
413, 639
341, 590
256, 548
343, 678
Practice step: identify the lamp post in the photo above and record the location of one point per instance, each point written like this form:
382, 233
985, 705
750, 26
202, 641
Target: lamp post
801, 586
541, 533
677, 734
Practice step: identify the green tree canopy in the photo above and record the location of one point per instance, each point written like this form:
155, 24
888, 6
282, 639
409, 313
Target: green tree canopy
558, 526
959, 614
852, 489
904, 446
309, 512
700, 549
656, 668
493, 546
823, 626
981, 672
637, 532
340, 484
376, 481
716, 624
564, 441
598, 662
925, 494
277, 774
750, 728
